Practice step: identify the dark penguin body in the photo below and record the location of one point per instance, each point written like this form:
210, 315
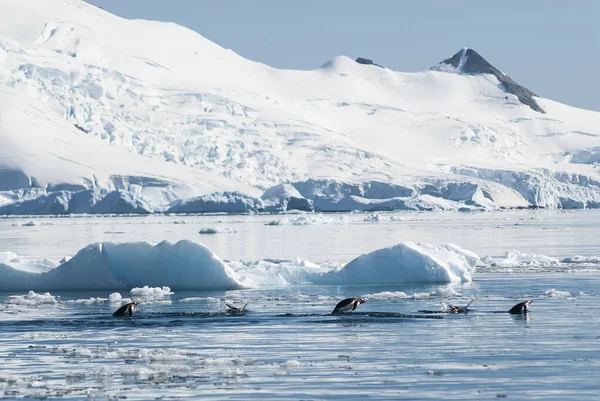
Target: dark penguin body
520, 308
456, 309
348, 305
452, 309
459, 309
232, 310
126, 310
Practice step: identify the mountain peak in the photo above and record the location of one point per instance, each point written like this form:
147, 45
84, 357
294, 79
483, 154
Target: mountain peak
468, 61
367, 61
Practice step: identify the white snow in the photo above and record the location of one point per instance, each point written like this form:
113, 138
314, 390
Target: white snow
99, 114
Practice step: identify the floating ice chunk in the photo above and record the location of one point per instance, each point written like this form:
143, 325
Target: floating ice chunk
578, 259
407, 263
147, 294
32, 299
193, 299
109, 266
216, 230
374, 218
385, 295
89, 301
557, 294
292, 363
518, 259
80, 353
104, 371
114, 298
140, 371
308, 219
262, 273
6, 257
388, 295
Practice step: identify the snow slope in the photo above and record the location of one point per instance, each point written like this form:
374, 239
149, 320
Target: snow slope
101, 114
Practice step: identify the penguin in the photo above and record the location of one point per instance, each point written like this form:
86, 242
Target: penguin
231, 309
348, 305
520, 308
459, 309
126, 310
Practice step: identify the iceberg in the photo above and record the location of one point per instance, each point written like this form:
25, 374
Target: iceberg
150, 272
407, 263
109, 266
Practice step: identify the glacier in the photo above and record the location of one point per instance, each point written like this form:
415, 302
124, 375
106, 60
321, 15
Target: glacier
100, 114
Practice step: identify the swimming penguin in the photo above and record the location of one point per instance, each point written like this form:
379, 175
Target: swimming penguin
126, 309
348, 305
231, 309
459, 309
452, 309
520, 308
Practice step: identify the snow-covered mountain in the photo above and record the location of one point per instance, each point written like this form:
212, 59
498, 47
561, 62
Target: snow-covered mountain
101, 114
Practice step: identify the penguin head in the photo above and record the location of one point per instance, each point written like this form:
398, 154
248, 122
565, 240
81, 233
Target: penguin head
361, 301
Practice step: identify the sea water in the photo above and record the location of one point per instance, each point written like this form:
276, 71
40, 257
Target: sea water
287, 345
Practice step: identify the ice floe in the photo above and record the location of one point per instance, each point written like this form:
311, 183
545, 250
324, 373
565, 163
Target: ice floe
216, 230
308, 219
557, 293
517, 259
582, 259
33, 299
148, 294
442, 292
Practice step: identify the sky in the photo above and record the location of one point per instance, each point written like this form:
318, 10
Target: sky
551, 47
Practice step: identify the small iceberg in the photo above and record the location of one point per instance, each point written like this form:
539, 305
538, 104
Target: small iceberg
110, 266
407, 263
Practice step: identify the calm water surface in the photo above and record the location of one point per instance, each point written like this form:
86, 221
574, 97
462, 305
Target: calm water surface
287, 345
